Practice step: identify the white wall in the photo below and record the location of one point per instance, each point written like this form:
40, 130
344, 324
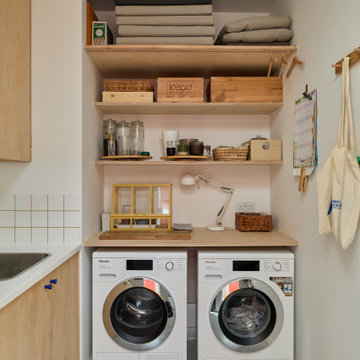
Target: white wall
55, 103
327, 278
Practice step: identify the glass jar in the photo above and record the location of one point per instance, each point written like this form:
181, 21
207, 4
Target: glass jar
109, 137
137, 137
123, 138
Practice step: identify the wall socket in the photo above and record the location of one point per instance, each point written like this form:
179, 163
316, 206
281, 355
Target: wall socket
246, 206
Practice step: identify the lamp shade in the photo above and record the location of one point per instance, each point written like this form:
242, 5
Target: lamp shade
188, 180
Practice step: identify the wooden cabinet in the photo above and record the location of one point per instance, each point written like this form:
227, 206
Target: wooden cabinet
15, 87
43, 324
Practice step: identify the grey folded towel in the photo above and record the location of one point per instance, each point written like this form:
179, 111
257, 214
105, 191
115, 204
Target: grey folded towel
168, 40
164, 10
138, 30
166, 20
256, 36
258, 23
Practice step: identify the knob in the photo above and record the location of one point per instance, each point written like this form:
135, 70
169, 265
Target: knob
277, 266
48, 287
169, 266
53, 281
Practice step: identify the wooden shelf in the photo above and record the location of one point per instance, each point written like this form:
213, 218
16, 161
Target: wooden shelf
188, 108
152, 61
185, 162
201, 237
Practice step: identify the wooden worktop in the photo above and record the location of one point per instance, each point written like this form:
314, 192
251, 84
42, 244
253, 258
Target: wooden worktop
201, 237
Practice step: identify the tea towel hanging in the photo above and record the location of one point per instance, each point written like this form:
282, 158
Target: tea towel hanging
338, 181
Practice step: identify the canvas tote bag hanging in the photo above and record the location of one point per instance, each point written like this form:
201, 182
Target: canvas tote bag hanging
338, 180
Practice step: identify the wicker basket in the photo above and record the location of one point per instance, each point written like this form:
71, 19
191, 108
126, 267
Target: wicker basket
230, 153
128, 85
253, 222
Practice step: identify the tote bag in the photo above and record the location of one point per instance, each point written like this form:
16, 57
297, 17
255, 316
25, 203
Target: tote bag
338, 180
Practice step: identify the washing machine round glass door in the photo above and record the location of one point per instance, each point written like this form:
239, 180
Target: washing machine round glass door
139, 314
246, 315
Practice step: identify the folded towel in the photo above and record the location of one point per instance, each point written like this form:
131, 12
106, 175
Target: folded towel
256, 36
178, 40
166, 20
258, 23
164, 10
162, 2
138, 30
275, 43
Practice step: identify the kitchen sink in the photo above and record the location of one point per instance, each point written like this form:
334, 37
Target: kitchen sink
13, 264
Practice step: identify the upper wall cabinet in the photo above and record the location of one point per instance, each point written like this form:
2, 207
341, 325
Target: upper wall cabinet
15, 86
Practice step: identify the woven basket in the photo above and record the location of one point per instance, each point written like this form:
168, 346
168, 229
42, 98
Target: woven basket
128, 85
232, 153
253, 222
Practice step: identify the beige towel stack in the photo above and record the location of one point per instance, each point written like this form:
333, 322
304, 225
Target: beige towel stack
165, 24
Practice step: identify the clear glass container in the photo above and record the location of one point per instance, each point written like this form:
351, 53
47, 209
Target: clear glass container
137, 137
123, 138
109, 137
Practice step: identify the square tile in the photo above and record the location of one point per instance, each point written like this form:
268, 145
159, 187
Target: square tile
72, 235
55, 202
23, 235
39, 235
7, 218
55, 219
39, 219
55, 236
22, 219
7, 202
72, 219
72, 202
22, 202
6, 235
38, 202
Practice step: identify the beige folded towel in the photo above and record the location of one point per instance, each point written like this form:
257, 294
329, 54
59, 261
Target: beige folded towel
138, 30
166, 20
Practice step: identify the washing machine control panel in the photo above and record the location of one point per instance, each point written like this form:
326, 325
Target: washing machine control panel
277, 265
171, 265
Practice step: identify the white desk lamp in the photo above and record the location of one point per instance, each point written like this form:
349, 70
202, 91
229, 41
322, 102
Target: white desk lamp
189, 180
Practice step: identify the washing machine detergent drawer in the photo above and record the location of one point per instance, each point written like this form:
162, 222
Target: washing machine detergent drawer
136, 356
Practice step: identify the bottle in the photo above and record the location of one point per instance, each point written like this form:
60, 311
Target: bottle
137, 137
123, 138
109, 137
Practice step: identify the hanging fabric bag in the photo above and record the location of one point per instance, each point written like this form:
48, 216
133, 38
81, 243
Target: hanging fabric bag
338, 180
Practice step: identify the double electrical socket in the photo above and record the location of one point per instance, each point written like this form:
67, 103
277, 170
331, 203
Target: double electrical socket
246, 206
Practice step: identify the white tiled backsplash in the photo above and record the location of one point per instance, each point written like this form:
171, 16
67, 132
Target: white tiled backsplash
39, 218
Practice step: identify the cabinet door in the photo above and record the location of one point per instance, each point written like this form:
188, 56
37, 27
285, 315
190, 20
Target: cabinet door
15, 114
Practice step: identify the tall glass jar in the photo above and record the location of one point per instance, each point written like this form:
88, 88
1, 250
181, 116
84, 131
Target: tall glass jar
109, 137
123, 138
137, 137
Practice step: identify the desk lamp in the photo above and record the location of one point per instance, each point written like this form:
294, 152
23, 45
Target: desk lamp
190, 180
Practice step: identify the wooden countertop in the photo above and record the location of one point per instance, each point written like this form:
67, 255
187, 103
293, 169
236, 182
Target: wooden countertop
201, 237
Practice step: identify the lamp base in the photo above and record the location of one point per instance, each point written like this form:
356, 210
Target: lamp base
216, 228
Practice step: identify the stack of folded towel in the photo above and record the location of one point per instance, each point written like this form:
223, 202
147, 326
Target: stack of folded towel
259, 30
165, 22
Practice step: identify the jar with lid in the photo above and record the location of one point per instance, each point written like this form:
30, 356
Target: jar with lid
109, 137
123, 138
137, 137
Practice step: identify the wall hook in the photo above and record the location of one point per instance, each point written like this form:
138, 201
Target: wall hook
295, 61
283, 63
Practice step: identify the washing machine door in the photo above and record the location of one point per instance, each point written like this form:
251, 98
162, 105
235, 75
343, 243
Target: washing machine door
139, 314
246, 315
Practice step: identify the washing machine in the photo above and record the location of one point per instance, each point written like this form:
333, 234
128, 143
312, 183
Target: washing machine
246, 304
139, 305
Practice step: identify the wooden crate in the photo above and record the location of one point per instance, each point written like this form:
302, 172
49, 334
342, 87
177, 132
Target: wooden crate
127, 97
180, 90
128, 85
245, 89
265, 150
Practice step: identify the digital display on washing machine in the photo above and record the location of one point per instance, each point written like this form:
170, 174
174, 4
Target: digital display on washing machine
139, 265
246, 265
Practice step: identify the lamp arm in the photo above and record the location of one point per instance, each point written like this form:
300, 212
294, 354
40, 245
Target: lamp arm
223, 208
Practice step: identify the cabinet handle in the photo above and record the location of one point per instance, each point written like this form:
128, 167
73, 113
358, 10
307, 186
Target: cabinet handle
48, 287
53, 281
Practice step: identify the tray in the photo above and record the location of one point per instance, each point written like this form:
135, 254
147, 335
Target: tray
145, 235
185, 157
127, 157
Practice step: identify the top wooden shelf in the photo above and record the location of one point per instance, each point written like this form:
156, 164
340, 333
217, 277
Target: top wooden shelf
152, 61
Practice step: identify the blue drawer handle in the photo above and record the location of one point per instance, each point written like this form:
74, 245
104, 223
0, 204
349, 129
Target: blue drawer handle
48, 287
54, 281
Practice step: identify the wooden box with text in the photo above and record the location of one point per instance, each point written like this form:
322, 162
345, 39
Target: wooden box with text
245, 89
180, 90
127, 97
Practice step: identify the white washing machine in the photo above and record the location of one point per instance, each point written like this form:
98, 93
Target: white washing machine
139, 305
246, 305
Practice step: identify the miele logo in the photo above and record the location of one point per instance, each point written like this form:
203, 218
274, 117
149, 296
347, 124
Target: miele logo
104, 261
210, 262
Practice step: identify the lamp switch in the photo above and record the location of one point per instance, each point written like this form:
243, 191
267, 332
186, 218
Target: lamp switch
246, 206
